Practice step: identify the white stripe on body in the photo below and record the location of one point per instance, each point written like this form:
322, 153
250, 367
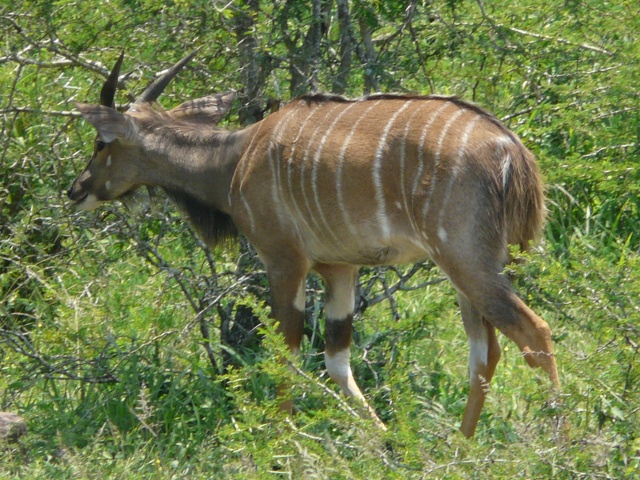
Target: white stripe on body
377, 170
436, 160
423, 139
292, 200
341, 158
442, 234
505, 167
453, 172
242, 167
274, 143
314, 175
403, 167
316, 226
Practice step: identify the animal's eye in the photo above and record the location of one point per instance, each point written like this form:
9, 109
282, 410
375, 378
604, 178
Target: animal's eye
100, 145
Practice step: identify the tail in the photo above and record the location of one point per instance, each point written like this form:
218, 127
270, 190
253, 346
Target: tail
523, 194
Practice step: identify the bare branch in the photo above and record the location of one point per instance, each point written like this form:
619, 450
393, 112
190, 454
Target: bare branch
29, 61
624, 146
539, 36
36, 111
498, 26
58, 366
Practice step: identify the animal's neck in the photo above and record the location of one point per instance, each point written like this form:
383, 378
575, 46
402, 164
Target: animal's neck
198, 169
196, 173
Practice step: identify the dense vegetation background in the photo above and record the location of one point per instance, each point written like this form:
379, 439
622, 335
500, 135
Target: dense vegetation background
134, 353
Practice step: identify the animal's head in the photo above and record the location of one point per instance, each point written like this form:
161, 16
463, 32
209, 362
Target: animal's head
119, 150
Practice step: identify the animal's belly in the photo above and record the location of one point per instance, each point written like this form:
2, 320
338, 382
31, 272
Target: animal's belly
370, 253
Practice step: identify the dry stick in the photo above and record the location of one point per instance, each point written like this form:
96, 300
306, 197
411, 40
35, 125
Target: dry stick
421, 57
609, 147
23, 345
343, 403
400, 285
197, 306
54, 48
381, 453
317, 439
53, 113
539, 36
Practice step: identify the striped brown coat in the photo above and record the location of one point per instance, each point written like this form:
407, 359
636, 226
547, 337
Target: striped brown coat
328, 184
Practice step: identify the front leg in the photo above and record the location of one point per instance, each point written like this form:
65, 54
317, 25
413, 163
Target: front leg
288, 303
339, 306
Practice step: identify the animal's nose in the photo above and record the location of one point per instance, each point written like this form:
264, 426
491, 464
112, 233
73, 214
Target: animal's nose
73, 191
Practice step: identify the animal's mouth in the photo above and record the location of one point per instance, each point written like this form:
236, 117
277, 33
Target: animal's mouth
87, 201
80, 199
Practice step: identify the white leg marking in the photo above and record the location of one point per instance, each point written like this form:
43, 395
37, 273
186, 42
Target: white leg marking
339, 369
342, 302
454, 169
108, 163
377, 173
436, 160
478, 355
300, 302
338, 365
341, 159
107, 185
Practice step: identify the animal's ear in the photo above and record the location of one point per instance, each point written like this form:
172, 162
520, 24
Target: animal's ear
206, 109
109, 123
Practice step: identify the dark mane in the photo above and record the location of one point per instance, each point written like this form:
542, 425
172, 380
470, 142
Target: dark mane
212, 225
328, 97
324, 97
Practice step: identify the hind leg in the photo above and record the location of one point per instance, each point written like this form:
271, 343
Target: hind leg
495, 302
483, 358
507, 312
490, 302
491, 294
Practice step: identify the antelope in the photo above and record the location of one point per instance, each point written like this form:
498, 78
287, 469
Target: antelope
329, 184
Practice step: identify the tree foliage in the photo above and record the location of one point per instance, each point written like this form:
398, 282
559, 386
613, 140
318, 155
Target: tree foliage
122, 338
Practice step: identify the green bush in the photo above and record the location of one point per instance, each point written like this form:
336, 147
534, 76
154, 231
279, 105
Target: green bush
135, 353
